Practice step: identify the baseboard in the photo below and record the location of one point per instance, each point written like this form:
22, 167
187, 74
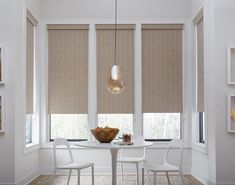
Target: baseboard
28, 178
225, 183
6, 183
203, 179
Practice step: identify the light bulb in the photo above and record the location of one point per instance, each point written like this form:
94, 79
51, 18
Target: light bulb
115, 80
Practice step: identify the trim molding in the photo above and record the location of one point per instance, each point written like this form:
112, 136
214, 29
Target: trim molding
24, 180
205, 180
28, 178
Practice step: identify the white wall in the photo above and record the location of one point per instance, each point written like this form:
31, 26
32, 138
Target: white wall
215, 166
33, 6
225, 146
26, 163
218, 166
8, 20
203, 157
16, 167
157, 9
195, 6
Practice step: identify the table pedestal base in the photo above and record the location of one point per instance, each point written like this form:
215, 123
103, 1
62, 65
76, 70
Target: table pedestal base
114, 155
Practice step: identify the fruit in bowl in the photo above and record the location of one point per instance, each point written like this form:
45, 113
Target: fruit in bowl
104, 135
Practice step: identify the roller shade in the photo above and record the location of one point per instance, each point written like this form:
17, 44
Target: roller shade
107, 102
67, 69
200, 66
162, 68
29, 66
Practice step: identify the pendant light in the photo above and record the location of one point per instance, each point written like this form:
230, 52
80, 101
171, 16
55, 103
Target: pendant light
115, 78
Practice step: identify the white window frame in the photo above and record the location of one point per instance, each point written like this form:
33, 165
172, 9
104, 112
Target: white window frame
196, 144
34, 145
92, 95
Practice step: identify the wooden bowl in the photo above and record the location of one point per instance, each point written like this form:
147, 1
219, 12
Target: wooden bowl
105, 135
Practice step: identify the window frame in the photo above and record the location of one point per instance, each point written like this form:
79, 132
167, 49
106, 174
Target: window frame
34, 118
184, 100
92, 95
197, 132
200, 121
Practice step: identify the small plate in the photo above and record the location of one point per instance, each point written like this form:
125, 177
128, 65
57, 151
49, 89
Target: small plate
123, 143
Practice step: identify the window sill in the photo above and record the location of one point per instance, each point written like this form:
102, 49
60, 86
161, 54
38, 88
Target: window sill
31, 148
200, 147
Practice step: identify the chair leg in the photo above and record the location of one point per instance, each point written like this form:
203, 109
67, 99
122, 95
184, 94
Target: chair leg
145, 162
155, 178
137, 174
182, 178
92, 175
168, 179
142, 176
78, 177
69, 177
122, 170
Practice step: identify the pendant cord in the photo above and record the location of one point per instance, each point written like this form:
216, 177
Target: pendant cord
115, 61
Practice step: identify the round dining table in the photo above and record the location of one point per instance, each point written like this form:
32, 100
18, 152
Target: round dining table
114, 148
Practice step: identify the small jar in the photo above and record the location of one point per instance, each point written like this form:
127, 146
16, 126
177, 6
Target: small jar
128, 138
124, 137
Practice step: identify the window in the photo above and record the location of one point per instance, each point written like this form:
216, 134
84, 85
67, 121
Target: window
163, 126
122, 121
115, 110
29, 121
200, 76
68, 81
162, 84
30, 62
70, 126
201, 127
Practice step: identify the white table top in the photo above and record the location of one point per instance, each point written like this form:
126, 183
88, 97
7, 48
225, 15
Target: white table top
96, 144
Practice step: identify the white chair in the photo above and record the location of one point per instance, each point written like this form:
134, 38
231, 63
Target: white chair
167, 167
70, 165
136, 160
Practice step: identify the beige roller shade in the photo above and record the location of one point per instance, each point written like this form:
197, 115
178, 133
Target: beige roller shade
106, 102
200, 66
29, 66
162, 68
67, 69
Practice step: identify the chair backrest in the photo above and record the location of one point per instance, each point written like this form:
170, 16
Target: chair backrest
143, 156
61, 142
135, 138
175, 144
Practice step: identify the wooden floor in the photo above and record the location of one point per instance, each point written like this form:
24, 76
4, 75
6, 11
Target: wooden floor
106, 180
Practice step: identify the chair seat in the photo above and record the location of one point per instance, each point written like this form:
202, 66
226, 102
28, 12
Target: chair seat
75, 166
130, 159
161, 168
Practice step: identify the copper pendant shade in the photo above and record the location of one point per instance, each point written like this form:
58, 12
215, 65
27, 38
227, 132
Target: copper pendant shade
115, 77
